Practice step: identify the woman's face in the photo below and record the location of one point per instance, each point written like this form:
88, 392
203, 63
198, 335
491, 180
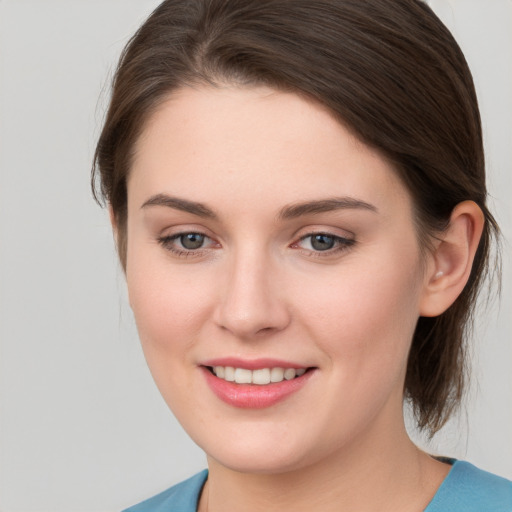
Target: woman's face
264, 237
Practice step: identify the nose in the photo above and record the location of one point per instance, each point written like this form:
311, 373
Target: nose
252, 301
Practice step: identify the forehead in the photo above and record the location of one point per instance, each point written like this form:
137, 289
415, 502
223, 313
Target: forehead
217, 144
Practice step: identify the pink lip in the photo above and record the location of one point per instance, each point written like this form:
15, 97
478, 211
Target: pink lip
254, 364
253, 396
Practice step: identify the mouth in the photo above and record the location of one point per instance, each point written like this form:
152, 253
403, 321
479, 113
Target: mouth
258, 377
263, 385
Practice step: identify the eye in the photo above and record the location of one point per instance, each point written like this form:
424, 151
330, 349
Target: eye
191, 241
324, 242
186, 244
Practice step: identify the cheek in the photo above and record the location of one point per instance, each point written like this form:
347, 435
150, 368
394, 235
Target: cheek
363, 323
169, 316
365, 318
169, 309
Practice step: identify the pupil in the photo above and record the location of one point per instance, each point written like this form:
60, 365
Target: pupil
322, 242
192, 240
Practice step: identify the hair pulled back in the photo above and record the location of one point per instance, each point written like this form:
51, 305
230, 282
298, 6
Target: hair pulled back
389, 70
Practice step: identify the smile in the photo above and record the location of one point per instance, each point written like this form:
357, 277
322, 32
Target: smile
263, 385
259, 377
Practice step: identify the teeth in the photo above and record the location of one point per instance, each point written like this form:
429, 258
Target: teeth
289, 373
229, 373
276, 375
243, 376
261, 376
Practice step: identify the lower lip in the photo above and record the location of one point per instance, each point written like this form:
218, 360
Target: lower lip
254, 396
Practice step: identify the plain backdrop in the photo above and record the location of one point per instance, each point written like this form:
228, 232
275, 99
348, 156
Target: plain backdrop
82, 427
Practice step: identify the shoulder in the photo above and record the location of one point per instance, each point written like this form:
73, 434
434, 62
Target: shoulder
469, 489
182, 497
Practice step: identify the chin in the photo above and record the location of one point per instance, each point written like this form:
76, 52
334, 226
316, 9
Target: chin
252, 464
255, 456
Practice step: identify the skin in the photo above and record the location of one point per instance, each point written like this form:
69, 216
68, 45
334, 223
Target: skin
258, 288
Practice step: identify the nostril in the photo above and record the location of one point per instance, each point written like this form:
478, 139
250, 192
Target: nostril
265, 330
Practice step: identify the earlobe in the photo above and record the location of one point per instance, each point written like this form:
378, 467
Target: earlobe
452, 259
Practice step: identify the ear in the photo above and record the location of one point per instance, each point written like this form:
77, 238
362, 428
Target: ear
451, 261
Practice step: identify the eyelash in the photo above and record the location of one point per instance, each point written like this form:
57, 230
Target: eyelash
168, 243
340, 244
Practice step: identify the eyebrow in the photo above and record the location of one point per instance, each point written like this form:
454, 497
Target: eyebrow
199, 209
325, 205
288, 212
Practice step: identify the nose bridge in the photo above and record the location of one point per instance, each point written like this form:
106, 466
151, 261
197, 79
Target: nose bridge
251, 302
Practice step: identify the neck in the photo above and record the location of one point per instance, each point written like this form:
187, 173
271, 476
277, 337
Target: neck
375, 474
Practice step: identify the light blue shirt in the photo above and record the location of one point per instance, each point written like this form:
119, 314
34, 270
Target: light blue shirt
465, 489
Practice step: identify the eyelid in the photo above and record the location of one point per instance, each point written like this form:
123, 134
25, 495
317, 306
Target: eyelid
327, 234
323, 229
168, 242
342, 243
177, 230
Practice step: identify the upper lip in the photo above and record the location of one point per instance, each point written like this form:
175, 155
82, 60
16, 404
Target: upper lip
252, 364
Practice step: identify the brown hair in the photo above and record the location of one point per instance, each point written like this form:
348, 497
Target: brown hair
390, 70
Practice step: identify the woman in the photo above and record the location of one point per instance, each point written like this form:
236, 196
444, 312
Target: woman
297, 191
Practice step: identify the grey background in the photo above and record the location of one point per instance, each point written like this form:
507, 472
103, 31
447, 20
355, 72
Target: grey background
82, 427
